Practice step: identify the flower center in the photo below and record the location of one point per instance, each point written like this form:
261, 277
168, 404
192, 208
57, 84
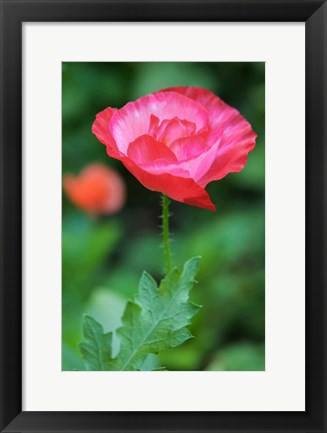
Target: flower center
169, 130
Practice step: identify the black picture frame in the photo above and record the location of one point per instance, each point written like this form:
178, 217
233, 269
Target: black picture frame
13, 14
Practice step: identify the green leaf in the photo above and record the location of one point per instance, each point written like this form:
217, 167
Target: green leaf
156, 320
96, 350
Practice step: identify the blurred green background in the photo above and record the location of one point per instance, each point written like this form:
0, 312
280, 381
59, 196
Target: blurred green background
103, 258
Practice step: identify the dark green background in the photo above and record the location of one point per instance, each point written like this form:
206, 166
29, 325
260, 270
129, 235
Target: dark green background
103, 258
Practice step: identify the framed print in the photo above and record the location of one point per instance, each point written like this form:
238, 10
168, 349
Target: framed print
163, 216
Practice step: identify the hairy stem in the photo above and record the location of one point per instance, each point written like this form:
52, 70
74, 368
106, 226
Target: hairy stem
165, 231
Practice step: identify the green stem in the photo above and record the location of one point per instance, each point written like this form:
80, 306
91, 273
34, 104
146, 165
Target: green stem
165, 231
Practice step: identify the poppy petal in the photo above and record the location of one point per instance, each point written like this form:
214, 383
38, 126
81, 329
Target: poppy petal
133, 120
188, 190
100, 129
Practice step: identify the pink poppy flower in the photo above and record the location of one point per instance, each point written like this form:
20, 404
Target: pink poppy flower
177, 140
97, 190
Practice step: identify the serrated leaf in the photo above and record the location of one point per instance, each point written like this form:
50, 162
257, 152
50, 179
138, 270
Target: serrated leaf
96, 349
156, 320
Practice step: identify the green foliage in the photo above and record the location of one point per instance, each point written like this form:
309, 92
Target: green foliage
96, 349
85, 245
157, 319
242, 356
160, 75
